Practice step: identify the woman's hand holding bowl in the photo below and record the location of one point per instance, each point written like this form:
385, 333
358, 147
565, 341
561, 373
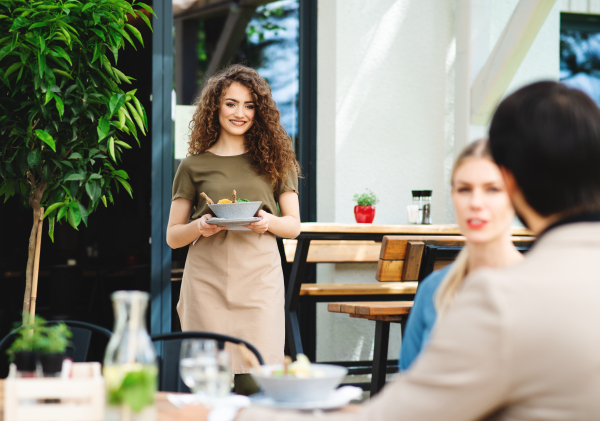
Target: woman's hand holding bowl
206, 230
261, 226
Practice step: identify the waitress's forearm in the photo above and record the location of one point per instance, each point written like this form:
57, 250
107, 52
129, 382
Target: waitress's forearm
182, 234
285, 226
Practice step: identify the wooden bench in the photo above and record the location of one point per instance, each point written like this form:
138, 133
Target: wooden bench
383, 313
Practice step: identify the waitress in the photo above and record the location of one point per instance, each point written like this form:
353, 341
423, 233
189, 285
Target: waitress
233, 281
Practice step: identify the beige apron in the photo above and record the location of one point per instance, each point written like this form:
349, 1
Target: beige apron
233, 285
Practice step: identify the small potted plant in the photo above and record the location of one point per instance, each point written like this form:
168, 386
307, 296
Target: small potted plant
55, 339
38, 342
364, 211
24, 351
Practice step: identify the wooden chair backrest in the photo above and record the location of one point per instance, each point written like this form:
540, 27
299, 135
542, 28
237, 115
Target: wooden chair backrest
401, 257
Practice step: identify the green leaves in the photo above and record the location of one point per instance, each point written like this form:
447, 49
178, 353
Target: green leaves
62, 53
136, 117
103, 128
34, 158
93, 190
60, 106
135, 32
65, 118
73, 215
74, 177
46, 138
115, 103
52, 208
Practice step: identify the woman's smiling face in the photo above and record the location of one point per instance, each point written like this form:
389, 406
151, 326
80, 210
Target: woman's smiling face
236, 112
482, 206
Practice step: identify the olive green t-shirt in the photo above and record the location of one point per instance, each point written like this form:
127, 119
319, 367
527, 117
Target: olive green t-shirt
218, 176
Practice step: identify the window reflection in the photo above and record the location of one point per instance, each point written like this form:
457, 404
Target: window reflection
580, 53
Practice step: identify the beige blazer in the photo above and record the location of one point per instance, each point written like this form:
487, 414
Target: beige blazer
521, 343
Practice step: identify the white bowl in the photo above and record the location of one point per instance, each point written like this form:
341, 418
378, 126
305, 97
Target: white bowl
294, 389
238, 210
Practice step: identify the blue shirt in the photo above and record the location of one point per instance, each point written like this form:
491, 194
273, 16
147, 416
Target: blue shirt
421, 319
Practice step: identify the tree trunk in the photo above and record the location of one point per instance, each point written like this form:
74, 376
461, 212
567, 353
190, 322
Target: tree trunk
34, 200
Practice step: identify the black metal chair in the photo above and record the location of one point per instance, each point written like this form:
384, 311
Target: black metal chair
169, 378
78, 350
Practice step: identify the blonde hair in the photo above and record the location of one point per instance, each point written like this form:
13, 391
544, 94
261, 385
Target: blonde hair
458, 271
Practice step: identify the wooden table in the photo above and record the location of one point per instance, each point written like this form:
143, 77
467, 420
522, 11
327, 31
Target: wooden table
294, 275
166, 410
383, 313
169, 412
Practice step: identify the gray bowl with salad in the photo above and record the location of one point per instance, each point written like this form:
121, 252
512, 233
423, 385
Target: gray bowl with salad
303, 381
238, 210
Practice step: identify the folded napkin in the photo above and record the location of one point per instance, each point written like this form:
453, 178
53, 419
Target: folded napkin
223, 409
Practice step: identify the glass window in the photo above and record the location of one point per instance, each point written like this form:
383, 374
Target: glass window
580, 53
271, 47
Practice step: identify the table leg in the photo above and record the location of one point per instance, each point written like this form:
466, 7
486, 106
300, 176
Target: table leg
292, 294
292, 334
382, 339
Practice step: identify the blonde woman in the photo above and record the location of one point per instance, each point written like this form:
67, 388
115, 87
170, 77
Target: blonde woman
484, 214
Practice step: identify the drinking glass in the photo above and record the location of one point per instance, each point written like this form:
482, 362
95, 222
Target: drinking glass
198, 365
224, 377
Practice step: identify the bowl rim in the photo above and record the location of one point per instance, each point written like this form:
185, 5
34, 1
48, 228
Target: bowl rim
236, 203
255, 372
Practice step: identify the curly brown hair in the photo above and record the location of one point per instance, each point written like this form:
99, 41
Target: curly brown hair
266, 141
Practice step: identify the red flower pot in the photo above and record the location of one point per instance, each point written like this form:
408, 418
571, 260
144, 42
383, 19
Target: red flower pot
364, 214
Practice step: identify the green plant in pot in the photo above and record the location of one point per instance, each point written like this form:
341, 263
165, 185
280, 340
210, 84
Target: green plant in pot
24, 351
364, 211
65, 119
38, 341
55, 339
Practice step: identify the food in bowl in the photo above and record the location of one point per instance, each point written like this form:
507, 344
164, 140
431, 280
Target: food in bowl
301, 369
232, 209
234, 199
304, 382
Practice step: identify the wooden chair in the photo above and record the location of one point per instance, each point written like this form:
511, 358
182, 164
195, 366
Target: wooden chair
403, 260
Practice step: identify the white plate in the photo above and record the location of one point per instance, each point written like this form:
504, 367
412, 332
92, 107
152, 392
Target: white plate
222, 222
336, 399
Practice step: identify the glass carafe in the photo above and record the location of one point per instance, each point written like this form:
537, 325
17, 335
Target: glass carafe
130, 367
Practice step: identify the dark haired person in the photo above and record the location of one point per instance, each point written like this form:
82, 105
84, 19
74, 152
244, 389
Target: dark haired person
233, 281
521, 342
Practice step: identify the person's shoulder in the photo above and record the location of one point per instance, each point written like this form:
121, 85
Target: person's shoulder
192, 161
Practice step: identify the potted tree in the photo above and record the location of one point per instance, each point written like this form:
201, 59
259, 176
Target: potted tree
364, 211
65, 120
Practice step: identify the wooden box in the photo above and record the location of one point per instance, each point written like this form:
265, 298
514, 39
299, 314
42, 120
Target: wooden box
79, 398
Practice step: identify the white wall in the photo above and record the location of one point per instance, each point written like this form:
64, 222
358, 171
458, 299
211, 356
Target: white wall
540, 63
386, 122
